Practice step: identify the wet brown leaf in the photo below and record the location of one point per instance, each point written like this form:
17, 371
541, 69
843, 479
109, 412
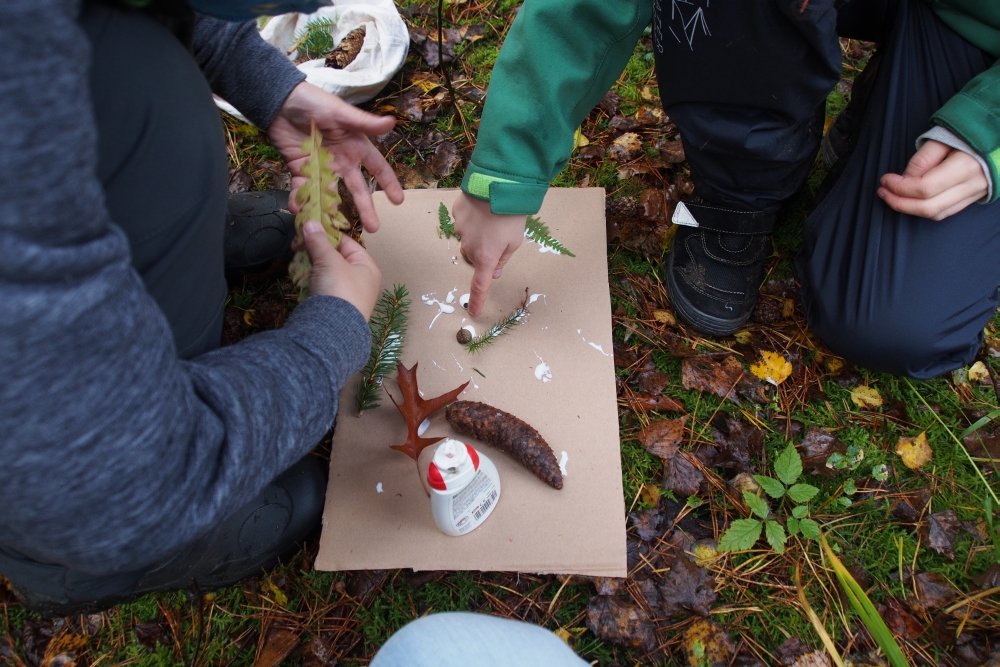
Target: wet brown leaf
278, 643
933, 592
708, 373
415, 178
445, 158
984, 443
737, 443
591, 152
609, 103
686, 588
681, 475
791, 650
622, 124
813, 659
651, 116
36, 635
672, 151
707, 644
647, 524
607, 585
409, 106
152, 633
908, 506
941, 531
360, 582
816, 449
627, 147
990, 578
427, 44
899, 620
661, 438
620, 622
239, 181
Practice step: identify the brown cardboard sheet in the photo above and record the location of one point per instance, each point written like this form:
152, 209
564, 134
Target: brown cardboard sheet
378, 515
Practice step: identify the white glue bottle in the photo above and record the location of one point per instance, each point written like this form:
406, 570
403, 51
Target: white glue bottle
465, 487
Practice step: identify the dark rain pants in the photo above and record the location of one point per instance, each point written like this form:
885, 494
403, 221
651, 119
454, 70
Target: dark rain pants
746, 84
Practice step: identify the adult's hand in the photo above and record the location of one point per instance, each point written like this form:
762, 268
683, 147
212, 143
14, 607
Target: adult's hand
348, 271
488, 241
939, 181
345, 133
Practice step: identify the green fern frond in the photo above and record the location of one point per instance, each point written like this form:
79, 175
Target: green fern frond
388, 327
315, 40
538, 231
446, 227
505, 324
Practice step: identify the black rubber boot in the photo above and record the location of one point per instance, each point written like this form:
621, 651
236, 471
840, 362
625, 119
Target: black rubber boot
259, 228
715, 269
252, 540
839, 140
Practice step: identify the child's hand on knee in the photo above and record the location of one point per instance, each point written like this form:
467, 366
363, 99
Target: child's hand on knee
347, 272
938, 182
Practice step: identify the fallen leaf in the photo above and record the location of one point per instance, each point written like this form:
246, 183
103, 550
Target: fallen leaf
63, 651
672, 151
908, 506
978, 372
627, 147
151, 634
686, 588
427, 44
681, 475
445, 158
239, 181
707, 644
361, 582
941, 531
652, 402
647, 524
415, 178
915, 452
665, 317
563, 634
813, 659
933, 592
984, 442
650, 495
833, 365
278, 643
866, 397
579, 139
661, 438
737, 442
791, 650
607, 585
409, 106
899, 620
745, 482
620, 622
650, 116
622, 124
816, 449
415, 409
990, 578
706, 373
772, 368
609, 103
591, 152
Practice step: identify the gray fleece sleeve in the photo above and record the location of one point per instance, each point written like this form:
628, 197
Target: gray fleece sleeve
243, 69
114, 452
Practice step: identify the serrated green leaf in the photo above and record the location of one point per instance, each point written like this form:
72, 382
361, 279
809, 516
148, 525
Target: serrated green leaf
775, 534
809, 528
800, 511
793, 525
802, 493
756, 504
850, 488
771, 486
788, 465
741, 535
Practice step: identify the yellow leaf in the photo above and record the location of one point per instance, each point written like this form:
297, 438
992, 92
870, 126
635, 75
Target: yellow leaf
773, 368
664, 317
915, 452
279, 597
248, 317
319, 201
563, 634
866, 397
704, 553
788, 308
834, 365
743, 337
579, 141
650, 495
978, 372
827, 123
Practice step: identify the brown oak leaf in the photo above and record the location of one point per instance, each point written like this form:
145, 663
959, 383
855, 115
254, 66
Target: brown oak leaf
415, 409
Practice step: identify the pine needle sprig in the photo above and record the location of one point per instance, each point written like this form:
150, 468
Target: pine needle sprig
388, 327
505, 324
446, 227
538, 231
315, 40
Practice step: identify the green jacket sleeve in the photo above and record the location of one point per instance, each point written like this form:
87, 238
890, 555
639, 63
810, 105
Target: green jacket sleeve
558, 60
974, 115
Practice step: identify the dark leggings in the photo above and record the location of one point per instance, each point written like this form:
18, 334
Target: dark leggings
746, 84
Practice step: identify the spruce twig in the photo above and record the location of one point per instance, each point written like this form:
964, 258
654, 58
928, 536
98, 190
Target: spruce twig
388, 327
505, 324
538, 231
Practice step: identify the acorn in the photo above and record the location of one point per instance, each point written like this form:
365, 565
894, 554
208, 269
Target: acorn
464, 336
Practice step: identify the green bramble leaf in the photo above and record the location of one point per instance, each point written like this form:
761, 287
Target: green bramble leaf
538, 231
802, 493
694, 502
788, 465
880, 473
741, 535
793, 525
446, 227
809, 528
850, 488
800, 511
756, 504
845, 501
319, 201
771, 486
775, 536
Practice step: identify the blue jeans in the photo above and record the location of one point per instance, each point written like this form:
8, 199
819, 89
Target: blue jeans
460, 639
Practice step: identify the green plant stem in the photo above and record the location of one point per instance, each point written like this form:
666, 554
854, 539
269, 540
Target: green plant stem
957, 442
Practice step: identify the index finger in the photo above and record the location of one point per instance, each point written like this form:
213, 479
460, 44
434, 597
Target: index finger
481, 281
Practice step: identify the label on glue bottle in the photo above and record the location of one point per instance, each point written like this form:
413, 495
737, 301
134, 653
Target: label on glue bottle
465, 487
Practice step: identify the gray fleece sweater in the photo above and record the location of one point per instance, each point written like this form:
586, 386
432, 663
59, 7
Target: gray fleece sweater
114, 452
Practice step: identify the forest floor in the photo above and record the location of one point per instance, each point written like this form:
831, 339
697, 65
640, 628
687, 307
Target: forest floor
916, 530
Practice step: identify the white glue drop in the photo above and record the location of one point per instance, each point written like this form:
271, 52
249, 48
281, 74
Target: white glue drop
465, 487
424, 425
454, 259
378, 487
442, 307
543, 372
451, 296
562, 463
471, 329
463, 301
599, 348
534, 297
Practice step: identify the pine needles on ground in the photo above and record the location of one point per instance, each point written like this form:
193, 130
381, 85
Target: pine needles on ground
446, 227
505, 324
538, 231
388, 326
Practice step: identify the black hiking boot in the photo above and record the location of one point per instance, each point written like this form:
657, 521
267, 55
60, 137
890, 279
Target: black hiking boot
716, 265
259, 228
254, 539
841, 137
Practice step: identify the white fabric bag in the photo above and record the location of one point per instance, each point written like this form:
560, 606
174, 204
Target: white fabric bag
381, 57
